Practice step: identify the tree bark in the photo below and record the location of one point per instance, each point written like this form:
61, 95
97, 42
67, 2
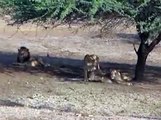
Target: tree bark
141, 62
142, 54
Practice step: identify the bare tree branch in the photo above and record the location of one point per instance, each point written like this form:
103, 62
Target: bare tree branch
135, 49
154, 43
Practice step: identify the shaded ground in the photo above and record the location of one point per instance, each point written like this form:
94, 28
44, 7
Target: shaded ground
51, 93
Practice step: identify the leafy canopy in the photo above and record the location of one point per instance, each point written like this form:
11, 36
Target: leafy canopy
145, 13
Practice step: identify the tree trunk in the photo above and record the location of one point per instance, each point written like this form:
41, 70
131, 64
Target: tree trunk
141, 62
143, 51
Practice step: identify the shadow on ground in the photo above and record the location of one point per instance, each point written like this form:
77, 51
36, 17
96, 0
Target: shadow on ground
70, 68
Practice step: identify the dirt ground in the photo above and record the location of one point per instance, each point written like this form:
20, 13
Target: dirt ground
58, 93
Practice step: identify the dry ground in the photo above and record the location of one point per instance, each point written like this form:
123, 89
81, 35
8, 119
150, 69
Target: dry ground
52, 94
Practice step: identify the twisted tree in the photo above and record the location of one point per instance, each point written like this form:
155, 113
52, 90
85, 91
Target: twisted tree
147, 18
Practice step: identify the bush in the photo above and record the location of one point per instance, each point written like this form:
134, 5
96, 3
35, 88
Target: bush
63, 10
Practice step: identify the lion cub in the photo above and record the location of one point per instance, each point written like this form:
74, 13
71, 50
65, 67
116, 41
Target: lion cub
91, 67
120, 78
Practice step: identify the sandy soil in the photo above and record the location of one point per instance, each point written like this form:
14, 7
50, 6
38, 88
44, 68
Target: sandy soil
53, 94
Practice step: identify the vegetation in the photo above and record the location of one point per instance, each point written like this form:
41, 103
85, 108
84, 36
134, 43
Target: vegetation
64, 10
148, 25
145, 13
